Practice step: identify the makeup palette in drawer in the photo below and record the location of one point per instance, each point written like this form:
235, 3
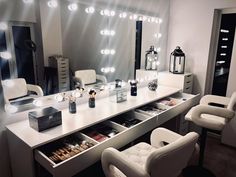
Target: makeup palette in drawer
150, 110
126, 121
100, 132
65, 148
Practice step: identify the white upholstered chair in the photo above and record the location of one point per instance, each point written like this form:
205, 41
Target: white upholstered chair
88, 77
210, 118
14, 89
167, 155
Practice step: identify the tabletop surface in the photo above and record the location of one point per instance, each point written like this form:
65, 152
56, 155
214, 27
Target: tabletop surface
85, 116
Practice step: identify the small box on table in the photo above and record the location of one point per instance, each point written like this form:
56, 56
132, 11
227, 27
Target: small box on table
45, 118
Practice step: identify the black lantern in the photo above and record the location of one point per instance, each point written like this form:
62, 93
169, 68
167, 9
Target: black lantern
151, 59
177, 61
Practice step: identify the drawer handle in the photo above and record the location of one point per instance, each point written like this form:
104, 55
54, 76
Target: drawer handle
187, 88
189, 75
188, 82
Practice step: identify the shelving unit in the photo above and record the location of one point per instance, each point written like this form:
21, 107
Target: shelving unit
117, 116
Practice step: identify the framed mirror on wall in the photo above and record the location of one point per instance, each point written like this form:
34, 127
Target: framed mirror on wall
88, 36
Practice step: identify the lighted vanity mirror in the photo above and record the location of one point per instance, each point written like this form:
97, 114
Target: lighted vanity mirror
85, 35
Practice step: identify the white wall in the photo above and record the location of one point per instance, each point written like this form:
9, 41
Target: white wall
51, 30
16, 10
11, 10
232, 73
190, 27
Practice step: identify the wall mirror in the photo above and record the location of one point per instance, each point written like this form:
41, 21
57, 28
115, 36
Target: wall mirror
107, 39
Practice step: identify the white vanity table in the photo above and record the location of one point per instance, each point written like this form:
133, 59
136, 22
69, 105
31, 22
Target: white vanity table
25, 143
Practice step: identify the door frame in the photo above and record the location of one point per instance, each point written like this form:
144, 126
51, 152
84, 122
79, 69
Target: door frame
13, 65
213, 47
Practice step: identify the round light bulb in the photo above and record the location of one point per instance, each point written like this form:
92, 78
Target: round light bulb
5, 55
90, 10
152, 19
140, 18
59, 97
3, 26
102, 12
76, 94
102, 32
112, 33
107, 51
73, 7
52, 3
112, 69
123, 15
38, 103
112, 13
10, 108
28, 1
106, 12
107, 70
112, 52
144, 18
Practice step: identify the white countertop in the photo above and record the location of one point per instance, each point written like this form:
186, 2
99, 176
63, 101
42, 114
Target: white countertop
86, 116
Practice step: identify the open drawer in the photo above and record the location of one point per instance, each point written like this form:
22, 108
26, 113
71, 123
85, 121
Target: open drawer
151, 110
67, 156
129, 119
60, 161
143, 124
103, 131
180, 104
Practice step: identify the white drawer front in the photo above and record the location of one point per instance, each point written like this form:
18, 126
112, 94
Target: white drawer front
188, 78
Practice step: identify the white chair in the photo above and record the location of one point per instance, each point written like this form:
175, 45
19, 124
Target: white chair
17, 89
210, 118
167, 155
88, 77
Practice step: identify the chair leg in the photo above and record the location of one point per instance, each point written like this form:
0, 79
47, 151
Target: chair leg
202, 146
199, 171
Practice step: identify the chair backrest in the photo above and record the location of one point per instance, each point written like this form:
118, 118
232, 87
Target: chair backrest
14, 88
87, 76
232, 102
169, 160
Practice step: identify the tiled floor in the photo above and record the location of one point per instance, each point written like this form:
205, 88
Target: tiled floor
220, 159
